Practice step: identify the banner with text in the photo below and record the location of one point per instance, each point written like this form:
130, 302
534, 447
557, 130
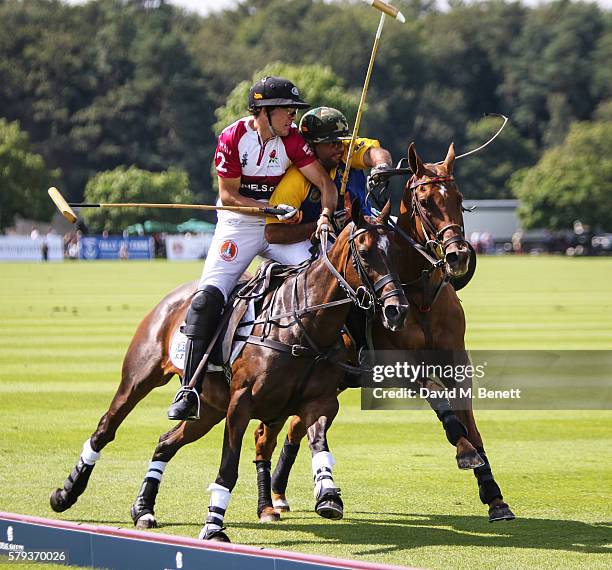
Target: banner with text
116, 247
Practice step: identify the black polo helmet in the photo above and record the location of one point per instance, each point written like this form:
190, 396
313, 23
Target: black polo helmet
275, 92
324, 124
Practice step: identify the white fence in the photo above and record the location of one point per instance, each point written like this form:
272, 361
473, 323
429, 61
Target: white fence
24, 248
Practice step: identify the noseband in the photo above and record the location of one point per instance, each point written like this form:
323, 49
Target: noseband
433, 236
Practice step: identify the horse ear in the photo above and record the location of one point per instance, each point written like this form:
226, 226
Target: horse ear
415, 162
449, 161
357, 214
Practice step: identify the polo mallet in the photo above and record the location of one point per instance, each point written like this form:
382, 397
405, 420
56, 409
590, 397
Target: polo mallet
386, 9
66, 208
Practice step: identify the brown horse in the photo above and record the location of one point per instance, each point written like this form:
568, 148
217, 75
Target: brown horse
148, 365
431, 215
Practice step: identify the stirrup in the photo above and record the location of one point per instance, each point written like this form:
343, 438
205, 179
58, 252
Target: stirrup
183, 391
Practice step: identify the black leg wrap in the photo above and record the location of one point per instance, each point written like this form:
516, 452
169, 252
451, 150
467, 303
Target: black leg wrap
488, 489
280, 477
454, 429
264, 497
74, 486
145, 501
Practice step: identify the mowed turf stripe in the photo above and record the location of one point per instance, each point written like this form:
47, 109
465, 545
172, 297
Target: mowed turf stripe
406, 502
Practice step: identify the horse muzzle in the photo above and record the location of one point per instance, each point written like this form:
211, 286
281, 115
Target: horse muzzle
457, 258
394, 316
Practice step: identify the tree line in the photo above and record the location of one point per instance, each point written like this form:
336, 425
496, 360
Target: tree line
144, 85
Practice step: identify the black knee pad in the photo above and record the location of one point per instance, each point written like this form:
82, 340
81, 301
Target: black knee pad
206, 307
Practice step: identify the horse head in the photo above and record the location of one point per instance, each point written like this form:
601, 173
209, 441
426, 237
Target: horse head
370, 271
436, 207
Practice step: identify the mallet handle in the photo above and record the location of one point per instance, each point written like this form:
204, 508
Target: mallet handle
242, 209
364, 92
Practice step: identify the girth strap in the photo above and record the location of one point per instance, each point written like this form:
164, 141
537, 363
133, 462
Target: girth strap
294, 349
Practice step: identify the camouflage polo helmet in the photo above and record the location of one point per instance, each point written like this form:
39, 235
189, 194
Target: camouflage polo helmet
324, 124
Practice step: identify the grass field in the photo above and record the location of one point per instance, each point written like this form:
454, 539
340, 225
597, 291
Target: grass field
63, 332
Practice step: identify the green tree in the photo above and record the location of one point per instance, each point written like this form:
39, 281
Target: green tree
134, 185
486, 174
24, 179
547, 76
572, 181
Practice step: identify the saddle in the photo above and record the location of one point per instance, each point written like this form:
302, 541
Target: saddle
247, 300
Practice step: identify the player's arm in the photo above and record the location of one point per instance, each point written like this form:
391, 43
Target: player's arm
287, 233
377, 156
319, 177
229, 192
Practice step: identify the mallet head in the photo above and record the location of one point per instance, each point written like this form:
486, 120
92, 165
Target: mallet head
387, 9
62, 205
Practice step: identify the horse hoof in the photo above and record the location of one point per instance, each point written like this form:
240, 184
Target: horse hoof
500, 512
58, 502
268, 515
469, 460
330, 505
280, 503
215, 536
146, 522
269, 518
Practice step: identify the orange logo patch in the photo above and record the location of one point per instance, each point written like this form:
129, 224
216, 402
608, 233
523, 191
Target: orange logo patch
228, 250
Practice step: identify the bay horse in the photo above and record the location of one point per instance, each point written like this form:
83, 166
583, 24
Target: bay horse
147, 364
430, 215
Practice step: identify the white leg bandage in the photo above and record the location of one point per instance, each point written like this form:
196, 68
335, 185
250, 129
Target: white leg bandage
88, 455
219, 501
156, 470
322, 464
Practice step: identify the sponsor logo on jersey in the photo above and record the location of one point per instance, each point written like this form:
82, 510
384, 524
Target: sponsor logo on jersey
228, 250
273, 159
254, 187
315, 195
245, 159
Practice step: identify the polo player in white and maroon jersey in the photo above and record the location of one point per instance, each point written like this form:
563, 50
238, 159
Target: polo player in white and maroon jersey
252, 156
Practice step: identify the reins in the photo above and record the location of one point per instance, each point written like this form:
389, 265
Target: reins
367, 296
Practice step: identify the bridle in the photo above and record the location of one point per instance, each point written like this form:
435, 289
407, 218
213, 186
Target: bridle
368, 296
434, 237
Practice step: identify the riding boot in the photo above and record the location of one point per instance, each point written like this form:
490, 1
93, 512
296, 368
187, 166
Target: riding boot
200, 326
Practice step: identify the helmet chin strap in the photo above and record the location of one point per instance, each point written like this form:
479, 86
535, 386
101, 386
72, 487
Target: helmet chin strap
267, 109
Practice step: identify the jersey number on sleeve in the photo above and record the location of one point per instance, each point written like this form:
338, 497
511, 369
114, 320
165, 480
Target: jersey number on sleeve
222, 160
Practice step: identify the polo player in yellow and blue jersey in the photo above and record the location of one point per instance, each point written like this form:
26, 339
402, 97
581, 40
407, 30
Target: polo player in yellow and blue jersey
326, 129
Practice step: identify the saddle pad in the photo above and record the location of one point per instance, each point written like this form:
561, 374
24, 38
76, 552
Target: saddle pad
177, 346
